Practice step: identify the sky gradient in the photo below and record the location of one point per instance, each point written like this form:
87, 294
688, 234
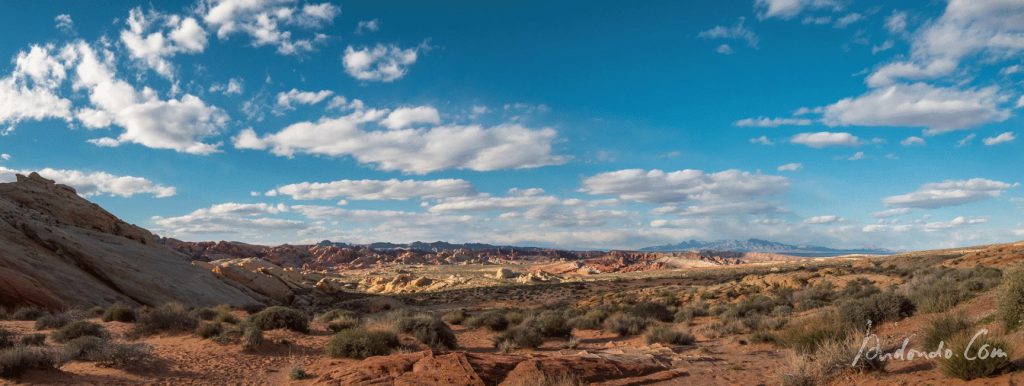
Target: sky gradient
593, 124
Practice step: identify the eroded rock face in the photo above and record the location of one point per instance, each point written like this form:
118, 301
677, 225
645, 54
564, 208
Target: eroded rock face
60, 250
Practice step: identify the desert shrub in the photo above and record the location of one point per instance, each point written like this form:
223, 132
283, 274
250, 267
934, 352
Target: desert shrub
805, 334
544, 379
877, 308
204, 313
428, 330
666, 335
823, 364
775, 323
551, 324
252, 308
6, 338
521, 336
753, 322
721, 328
224, 315
494, 320
782, 310
15, 361
515, 316
170, 317
941, 288
209, 330
52, 321
589, 321
78, 329
858, 288
32, 340
798, 370
119, 312
814, 296
82, 347
298, 373
763, 337
123, 355
276, 317
983, 364
252, 338
361, 343
1011, 299
650, 310
454, 317
338, 320
95, 311
755, 305
625, 324
943, 327
718, 309
27, 313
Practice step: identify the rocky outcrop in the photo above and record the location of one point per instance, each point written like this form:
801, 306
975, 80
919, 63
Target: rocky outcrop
60, 250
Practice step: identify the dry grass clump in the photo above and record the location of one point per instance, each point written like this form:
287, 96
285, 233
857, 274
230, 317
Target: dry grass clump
32, 340
361, 343
15, 361
626, 324
806, 334
876, 309
591, 320
209, 330
337, 320
939, 289
667, 335
278, 317
79, 329
494, 320
522, 336
1011, 299
987, 355
429, 330
27, 313
58, 320
119, 312
170, 317
252, 338
824, 363
546, 380
108, 353
455, 317
943, 327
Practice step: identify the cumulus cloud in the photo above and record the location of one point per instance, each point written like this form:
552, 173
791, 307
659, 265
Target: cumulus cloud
404, 117
891, 212
392, 189
365, 26
966, 140
381, 63
772, 122
30, 91
287, 100
762, 140
90, 184
959, 221
912, 141
919, 105
229, 218
999, 139
265, 21
896, 23
657, 186
724, 49
234, 86
825, 219
790, 167
419, 151
738, 31
949, 193
824, 139
786, 9
171, 35
177, 124
856, 156
64, 23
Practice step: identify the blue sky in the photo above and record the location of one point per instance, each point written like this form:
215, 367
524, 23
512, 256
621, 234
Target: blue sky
570, 124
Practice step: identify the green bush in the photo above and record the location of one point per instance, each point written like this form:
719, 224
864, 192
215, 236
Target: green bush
494, 320
982, 365
815, 296
15, 361
27, 313
650, 310
33, 340
858, 288
939, 289
276, 317
1011, 299
209, 330
361, 343
119, 312
454, 317
428, 330
666, 335
877, 308
942, 328
170, 317
78, 329
624, 324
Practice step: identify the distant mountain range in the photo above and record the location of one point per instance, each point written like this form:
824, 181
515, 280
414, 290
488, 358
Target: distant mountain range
757, 245
428, 247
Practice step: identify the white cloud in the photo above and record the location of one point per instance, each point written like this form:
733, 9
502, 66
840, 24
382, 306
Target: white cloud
896, 23
999, 139
738, 31
826, 219
824, 139
234, 86
262, 20
919, 105
173, 35
949, 193
5, 156
64, 23
966, 140
404, 117
790, 167
786, 9
96, 183
367, 26
178, 124
392, 189
382, 63
891, 212
856, 156
959, 221
473, 147
912, 141
848, 19
724, 49
229, 218
657, 186
30, 91
966, 28
287, 100
762, 140
772, 122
